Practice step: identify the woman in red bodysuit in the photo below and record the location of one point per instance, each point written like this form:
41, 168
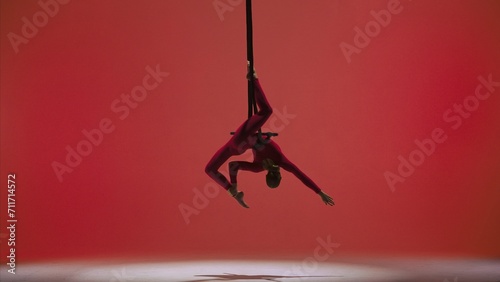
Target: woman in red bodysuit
267, 155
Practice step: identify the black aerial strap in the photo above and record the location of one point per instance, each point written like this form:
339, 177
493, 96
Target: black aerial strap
252, 105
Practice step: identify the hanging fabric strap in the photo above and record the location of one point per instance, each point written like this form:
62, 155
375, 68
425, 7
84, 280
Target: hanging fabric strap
252, 105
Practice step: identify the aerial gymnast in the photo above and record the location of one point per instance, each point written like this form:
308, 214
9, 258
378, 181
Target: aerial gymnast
267, 154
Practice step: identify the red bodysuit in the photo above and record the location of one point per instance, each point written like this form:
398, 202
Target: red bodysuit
244, 138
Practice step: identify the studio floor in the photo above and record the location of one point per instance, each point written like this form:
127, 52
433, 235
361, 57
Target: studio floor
442, 270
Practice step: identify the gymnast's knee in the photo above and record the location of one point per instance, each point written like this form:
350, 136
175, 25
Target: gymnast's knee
209, 169
266, 112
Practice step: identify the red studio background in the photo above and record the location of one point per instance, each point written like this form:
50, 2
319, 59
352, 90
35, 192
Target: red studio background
354, 92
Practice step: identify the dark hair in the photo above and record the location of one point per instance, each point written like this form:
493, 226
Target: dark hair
273, 179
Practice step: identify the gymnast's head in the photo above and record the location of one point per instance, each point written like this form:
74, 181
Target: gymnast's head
273, 176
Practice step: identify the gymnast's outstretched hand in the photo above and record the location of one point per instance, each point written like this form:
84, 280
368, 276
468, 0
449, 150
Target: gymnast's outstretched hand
238, 195
326, 199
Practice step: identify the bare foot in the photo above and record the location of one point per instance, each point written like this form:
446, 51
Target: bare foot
239, 197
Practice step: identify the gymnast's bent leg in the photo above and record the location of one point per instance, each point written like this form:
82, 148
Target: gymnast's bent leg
251, 125
212, 169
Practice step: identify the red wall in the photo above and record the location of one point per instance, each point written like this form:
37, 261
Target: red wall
347, 125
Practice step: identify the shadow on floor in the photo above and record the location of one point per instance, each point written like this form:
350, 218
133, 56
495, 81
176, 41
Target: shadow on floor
236, 277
